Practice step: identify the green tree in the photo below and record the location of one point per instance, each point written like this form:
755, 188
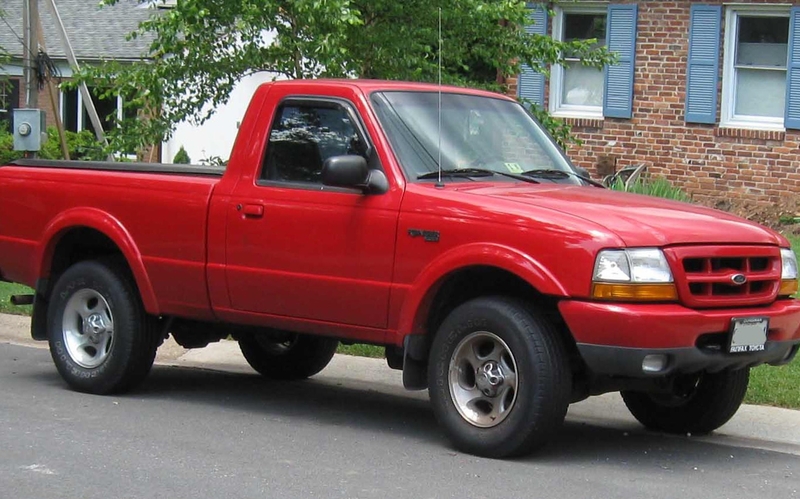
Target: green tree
201, 48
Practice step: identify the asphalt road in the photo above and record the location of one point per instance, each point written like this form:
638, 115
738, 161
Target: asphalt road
205, 434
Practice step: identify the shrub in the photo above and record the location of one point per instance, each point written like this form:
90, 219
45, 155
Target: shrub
82, 146
182, 157
7, 152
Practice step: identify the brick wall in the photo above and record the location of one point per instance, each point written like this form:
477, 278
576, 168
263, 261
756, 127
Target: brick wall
710, 162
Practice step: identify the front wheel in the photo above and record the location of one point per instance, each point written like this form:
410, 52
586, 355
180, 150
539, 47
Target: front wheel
499, 377
287, 356
100, 337
697, 403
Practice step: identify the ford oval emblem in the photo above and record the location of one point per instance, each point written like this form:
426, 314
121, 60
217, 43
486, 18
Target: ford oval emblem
739, 279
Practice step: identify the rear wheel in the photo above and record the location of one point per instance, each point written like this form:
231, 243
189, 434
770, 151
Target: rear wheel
287, 356
697, 403
499, 377
100, 337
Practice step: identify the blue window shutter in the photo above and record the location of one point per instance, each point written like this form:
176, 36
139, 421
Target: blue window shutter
792, 116
620, 38
702, 72
530, 84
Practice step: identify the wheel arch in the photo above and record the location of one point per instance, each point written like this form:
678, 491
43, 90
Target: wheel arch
93, 233
482, 270
513, 267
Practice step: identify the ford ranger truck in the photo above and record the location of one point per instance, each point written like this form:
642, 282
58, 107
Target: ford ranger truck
449, 229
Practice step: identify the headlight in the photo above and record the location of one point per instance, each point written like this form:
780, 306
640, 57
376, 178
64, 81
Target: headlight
788, 273
640, 274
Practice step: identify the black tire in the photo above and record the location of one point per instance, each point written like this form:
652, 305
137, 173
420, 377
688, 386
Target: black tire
701, 403
100, 360
492, 327
287, 356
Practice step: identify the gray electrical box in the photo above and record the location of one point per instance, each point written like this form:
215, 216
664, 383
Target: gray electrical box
29, 129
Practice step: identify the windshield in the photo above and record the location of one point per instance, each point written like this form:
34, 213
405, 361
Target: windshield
477, 133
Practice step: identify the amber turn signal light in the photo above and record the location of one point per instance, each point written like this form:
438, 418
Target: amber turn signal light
788, 287
634, 292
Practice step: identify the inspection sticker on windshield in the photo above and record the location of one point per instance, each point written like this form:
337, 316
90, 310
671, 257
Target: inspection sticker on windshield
748, 334
514, 168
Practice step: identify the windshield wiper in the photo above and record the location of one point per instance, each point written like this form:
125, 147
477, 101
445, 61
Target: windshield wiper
551, 172
474, 172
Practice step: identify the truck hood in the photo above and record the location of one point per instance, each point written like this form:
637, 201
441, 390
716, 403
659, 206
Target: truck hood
636, 219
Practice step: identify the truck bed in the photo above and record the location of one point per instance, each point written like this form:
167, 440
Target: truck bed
158, 214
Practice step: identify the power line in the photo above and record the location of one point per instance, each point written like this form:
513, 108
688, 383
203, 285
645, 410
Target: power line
25, 46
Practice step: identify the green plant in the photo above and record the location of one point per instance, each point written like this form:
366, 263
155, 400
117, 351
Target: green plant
82, 146
182, 157
653, 186
7, 152
214, 161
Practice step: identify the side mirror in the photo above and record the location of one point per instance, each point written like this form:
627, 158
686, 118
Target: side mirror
352, 171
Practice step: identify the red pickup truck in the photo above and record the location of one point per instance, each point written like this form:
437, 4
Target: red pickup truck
442, 223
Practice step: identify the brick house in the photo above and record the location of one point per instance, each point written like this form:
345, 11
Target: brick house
706, 93
96, 34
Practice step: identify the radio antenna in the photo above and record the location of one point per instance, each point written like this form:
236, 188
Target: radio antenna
440, 96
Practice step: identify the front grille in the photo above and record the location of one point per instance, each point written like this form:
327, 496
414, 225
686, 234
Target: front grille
706, 276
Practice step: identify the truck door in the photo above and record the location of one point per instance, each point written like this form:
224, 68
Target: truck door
299, 249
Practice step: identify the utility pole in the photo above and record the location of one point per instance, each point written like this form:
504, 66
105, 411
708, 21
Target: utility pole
52, 94
30, 37
26, 52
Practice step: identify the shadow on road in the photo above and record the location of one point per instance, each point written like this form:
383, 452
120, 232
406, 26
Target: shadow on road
323, 402
327, 403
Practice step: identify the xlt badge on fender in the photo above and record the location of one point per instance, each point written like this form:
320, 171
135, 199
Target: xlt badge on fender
431, 236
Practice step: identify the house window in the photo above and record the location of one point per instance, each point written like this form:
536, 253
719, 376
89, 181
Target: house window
9, 100
577, 90
754, 74
76, 118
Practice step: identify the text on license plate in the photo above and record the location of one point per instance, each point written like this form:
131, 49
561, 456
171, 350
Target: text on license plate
748, 334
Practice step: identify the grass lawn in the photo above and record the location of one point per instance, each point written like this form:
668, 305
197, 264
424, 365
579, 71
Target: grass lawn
373, 351
8, 289
778, 386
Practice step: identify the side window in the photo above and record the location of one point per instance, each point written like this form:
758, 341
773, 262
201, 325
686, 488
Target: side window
303, 136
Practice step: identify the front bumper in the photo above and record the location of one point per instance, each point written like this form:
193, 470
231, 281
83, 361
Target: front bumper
614, 338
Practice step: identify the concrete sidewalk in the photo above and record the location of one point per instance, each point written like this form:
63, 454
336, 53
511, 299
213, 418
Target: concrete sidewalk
759, 427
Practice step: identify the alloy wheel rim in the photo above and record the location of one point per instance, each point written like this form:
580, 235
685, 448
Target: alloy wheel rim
483, 379
88, 328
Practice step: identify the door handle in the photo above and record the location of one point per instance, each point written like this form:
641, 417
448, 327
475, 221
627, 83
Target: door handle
252, 210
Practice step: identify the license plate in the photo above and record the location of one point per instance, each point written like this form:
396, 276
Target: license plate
748, 334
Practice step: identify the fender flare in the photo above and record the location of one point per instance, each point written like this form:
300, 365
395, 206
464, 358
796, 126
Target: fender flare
110, 227
512, 260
